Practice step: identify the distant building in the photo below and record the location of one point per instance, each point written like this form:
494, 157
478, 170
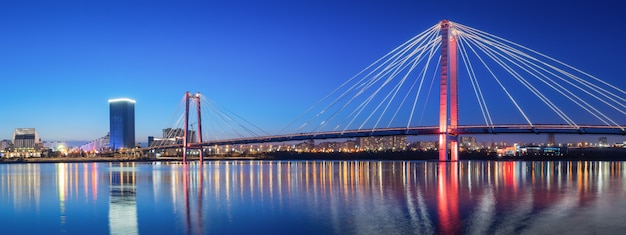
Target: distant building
26, 142
348, 146
98, 145
551, 139
328, 146
173, 132
25, 138
535, 150
507, 151
423, 146
55, 145
469, 143
382, 143
179, 133
5, 145
150, 140
171, 136
603, 142
122, 123
305, 146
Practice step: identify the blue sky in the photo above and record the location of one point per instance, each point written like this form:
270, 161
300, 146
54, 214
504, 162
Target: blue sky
60, 61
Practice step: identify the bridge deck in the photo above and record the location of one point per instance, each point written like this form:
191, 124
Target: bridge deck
416, 131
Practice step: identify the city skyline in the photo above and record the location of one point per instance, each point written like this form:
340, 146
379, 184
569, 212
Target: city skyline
247, 57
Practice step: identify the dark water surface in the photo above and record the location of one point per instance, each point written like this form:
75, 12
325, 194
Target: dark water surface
314, 197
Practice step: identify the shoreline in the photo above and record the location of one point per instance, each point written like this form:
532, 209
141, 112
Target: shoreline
614, 155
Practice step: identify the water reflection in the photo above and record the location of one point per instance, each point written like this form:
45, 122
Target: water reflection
448, 197
314, 197
21, 184
192, 189
400, 197
122, 200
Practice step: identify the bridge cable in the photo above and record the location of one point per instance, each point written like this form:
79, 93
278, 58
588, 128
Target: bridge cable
434, 48
416, 60
484, 109
386, 57
432, 82
393, 62
501, 86
603, 92
562, 90
396, 68
494, 56
543, 55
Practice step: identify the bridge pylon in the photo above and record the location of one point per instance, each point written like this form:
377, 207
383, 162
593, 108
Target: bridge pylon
448, 97
186, 144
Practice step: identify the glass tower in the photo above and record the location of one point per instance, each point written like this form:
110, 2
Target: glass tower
122, 123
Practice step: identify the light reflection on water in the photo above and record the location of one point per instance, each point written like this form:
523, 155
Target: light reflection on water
315, 197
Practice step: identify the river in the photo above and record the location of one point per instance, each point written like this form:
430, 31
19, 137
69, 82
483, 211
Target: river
314, 197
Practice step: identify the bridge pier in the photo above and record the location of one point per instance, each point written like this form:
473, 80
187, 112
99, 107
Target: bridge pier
448, 98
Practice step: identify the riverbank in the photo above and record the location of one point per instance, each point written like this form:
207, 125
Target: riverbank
573, 155
117, 159
71, 160
607, 154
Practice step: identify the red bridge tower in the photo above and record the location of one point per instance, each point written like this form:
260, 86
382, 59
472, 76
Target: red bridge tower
186, 144
448, 99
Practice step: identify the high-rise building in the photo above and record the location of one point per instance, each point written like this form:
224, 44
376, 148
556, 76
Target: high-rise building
122, 123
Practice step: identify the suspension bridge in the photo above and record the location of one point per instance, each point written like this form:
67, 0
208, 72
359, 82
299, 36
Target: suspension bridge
516, 90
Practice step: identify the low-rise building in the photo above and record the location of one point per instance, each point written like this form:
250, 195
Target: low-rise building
26, 143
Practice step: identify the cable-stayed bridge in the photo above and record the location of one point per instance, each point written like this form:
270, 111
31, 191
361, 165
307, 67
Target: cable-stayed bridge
500, 82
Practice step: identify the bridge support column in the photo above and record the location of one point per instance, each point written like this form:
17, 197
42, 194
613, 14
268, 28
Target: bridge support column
200, 152
448, 99
186, 136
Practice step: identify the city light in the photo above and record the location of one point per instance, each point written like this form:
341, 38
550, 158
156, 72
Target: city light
122, 100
